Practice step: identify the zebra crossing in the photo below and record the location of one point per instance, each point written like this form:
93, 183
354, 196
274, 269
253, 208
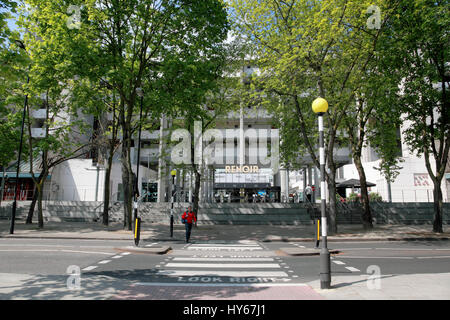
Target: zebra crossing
235, 263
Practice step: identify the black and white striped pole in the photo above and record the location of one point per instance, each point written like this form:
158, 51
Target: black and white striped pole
320, 107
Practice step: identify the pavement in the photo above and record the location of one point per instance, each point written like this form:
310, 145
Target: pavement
361, 286
264, 233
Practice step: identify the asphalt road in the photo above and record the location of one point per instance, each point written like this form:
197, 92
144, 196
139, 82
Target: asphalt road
38, 268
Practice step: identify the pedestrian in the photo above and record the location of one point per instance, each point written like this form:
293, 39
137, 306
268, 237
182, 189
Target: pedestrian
187, 218
308, 192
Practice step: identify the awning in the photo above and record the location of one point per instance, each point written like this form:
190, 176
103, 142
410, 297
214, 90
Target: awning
353, 183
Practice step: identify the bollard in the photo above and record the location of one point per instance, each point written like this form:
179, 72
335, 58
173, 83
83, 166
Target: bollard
137, 231
171, 225
318, 234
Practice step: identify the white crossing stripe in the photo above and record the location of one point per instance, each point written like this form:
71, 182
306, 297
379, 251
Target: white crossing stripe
104, 261
236, 248
222, 273
352, 269
89, 268
225, 245
224, 259
338, 262
225, 266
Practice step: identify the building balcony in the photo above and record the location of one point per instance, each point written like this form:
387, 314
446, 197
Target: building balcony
38, 133
39, 114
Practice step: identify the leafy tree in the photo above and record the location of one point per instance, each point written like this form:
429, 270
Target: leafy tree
308, 49
416, 48
131, 44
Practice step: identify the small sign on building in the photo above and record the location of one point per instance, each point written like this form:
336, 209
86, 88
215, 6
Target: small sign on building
422, 180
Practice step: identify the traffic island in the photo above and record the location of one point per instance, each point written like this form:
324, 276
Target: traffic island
144, 250
306, 251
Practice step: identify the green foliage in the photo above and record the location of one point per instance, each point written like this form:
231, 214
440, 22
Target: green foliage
415, 49
375, 197
353, 197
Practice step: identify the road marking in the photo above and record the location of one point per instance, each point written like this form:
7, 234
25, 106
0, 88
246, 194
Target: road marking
125, 253
225, 266
338, 262
352, 269
89, 268
170, 284
374, 257
117, 257
237, 248
221, 273
223, 259
224, 245
104, 261
56, 250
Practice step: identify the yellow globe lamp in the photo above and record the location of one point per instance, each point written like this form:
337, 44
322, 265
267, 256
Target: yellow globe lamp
320, 105
173, 173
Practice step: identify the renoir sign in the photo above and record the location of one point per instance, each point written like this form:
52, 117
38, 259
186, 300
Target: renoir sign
218, 147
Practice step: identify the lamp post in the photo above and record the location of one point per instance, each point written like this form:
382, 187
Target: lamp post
320, 106
140, 93
173, 173
137, 228
14, 207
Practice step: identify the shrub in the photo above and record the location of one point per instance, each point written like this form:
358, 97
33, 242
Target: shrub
375, 197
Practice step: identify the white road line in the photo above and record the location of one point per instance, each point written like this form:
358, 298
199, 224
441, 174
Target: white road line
226, 245
224, 266
221, 273
352, 269
338, 262
56, 250
117, 257
375, 257
105, 261
125, 253
224, 248
89, 268
224, 259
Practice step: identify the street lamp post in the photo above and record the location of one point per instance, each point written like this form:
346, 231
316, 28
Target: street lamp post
320, 106
173, 174
137, 228
140, 93
14, 207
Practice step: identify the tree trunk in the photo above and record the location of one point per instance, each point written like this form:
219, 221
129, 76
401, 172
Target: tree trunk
196, 193
40, 213
40, 180
127, 174
333, 229
367, 214
438, 206
32, 206
107, 188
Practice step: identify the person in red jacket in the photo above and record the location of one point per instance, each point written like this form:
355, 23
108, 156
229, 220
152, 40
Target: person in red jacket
187, 219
